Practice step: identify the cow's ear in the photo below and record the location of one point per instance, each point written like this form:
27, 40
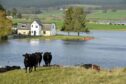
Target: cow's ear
23, 55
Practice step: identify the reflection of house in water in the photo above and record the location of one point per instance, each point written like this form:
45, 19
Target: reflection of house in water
34, 42
36, 28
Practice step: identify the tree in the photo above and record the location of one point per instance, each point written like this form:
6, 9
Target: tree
14, 12
79, 18
19, 15
1, 8
37, 11
5, 25
74, 20
114, 10
68, 20
104, 11
8, 12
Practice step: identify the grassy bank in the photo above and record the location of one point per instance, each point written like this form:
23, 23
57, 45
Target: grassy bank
57, 37
63, 76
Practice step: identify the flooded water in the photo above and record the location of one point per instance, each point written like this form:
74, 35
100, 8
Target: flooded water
108, 50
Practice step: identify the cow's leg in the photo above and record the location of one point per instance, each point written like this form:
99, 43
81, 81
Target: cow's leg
30, 69
35, 68
49, 62
25, 69
46, 63
39, 63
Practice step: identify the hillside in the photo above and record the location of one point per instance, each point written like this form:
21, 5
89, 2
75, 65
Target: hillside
64, 76
52, 3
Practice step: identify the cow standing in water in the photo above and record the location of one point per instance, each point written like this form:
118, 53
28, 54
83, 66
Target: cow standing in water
47, 57
32, 60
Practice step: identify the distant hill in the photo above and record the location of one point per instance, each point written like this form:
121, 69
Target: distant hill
53, 3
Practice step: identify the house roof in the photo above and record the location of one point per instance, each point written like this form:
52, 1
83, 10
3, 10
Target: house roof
39, 22
46, 27
23, 26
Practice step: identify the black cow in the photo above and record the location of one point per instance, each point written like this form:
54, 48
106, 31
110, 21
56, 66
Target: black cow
47, 57
27, 62
30, 61
38, 57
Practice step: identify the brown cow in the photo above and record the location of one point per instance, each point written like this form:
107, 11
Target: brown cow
91, 66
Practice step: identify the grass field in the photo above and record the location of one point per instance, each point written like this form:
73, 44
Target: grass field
119, 14
93, 26
64, 76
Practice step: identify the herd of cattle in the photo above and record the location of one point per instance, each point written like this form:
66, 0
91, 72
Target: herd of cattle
33, 60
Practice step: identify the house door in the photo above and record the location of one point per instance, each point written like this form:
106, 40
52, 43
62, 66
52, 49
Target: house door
34, 33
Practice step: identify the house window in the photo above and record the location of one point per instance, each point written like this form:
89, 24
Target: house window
36, 26
23, 26
44, 32
53, 26
32, 25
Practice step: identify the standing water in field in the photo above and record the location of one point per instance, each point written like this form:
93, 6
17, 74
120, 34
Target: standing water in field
108, 50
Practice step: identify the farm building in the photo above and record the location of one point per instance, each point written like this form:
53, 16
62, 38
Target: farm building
36, 28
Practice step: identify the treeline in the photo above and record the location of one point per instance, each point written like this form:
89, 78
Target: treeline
5, 24
14, 13
50, 3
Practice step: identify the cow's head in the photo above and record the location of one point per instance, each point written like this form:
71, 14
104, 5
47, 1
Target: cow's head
26, 56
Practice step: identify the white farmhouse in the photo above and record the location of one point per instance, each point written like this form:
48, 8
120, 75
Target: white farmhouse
36, 27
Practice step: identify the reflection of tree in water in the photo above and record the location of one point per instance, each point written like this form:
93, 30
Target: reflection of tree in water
3, 42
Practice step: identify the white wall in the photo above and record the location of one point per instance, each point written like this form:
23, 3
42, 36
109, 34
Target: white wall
53, 29
35, 29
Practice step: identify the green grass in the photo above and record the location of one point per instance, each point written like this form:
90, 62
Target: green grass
64, 76
84, 5
119, 14
93, 26
57, 37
